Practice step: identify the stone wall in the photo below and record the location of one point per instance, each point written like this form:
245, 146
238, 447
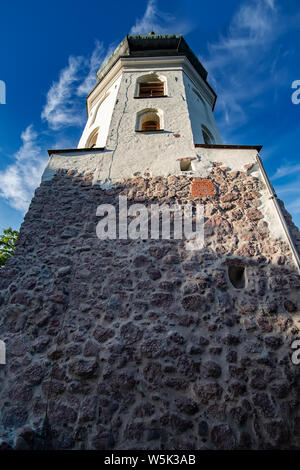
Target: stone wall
133, 344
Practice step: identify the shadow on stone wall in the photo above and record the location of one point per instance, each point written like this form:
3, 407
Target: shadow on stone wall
132, 344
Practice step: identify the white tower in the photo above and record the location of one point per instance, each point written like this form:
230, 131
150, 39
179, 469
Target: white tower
152, 102
151, 113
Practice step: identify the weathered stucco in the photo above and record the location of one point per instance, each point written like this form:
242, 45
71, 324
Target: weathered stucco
111, 167
113, 105
200, 112
99, 116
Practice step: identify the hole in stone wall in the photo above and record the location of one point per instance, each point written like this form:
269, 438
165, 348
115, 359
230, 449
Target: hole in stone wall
185, 165
236, 275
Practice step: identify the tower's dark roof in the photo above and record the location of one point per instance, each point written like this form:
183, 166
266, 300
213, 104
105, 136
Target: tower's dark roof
150, 45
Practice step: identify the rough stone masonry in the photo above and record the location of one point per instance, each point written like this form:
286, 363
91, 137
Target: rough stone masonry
132, 344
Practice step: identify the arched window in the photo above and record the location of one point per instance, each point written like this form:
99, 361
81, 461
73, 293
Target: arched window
92, 140
151, 86
149, 120
94, 112
207, 136
149, 125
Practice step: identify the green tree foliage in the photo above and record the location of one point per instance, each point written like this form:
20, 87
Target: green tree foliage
7, 244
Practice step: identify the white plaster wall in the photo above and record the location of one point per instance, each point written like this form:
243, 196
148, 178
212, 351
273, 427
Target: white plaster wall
100, 116
200, 113
236, 159
128, 163
88, 161
232, 158
128, 153
133, 150
99, 162
184, 112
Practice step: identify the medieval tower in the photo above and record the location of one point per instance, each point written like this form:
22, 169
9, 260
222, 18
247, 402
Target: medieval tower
142, 343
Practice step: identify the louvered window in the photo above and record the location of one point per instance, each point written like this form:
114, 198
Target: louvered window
150, 89
149, 126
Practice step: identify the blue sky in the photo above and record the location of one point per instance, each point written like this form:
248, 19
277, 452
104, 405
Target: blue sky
51, 50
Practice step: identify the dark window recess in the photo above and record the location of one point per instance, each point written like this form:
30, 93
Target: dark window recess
185, 165
150, 126
151, 89
237, 276
207, 136
93, 141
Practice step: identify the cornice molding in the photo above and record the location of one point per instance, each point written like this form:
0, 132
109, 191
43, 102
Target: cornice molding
147, 64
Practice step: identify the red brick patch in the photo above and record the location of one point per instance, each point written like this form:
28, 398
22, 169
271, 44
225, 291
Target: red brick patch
202, 188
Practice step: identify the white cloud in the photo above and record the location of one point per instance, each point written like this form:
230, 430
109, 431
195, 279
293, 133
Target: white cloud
288, 189
93, 63
271, 4
64, 105
286, 170
252, 25
294, 206
18, 180
160, 22
239, 62
59, 108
